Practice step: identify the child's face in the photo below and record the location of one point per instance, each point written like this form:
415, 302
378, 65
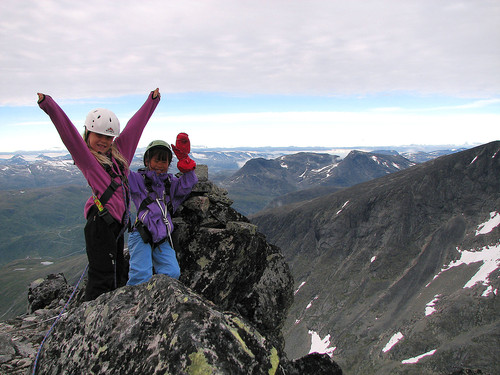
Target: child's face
99, 142
159, 166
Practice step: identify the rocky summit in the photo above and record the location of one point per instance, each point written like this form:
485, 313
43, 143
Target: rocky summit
224, 315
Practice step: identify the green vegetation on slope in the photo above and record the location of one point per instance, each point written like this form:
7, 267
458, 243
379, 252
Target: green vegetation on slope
16, 276
42, 222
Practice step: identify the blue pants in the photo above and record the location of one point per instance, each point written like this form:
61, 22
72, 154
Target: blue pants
142, 260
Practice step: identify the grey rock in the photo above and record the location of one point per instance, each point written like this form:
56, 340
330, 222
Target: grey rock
46, 292
7, 350
156, 328
202, 172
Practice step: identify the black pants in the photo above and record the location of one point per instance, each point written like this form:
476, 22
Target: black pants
107, 268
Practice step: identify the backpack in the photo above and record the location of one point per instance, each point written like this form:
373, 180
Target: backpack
139, 225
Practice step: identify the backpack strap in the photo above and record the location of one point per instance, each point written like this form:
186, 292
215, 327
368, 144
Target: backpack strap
148, 200
113, 186
145, 203
170, 207
110, 190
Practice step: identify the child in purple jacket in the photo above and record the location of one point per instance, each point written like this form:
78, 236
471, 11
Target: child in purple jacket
104, 161
156, 195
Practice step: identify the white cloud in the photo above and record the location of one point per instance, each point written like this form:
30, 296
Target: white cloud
105, 52
342, 129
281, 129
94, 48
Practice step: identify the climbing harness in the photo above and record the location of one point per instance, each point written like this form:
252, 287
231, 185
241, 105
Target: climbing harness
165, 209
110, 190
57, 319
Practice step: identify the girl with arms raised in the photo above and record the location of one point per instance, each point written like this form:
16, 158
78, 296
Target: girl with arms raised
104, 156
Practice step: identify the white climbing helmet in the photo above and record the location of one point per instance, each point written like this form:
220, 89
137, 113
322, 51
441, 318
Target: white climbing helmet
102, 121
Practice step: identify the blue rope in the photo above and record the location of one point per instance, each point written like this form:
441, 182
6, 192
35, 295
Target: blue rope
58, 317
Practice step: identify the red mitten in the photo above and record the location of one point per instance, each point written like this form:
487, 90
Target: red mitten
182, 148
186, 165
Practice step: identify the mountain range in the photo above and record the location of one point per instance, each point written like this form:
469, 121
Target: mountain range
262, 182
394, 275
36, 169
399, 274
43, 193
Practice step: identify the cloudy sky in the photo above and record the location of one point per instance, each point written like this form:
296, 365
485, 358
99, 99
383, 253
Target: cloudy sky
257, 73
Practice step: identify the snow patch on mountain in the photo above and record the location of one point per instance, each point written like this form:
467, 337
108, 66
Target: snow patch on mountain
297, 321
310, 303
489, 225
429, 308
489, 290
385, 163
198, 155
319, 345
393, 341
300, 286
418, 358
488, 255
343, 206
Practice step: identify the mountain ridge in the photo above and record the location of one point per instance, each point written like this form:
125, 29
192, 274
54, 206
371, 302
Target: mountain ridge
269, 180
378, 244
21, 170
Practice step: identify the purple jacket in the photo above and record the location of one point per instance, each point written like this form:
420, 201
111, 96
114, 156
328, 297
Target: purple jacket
152, 216
96, 176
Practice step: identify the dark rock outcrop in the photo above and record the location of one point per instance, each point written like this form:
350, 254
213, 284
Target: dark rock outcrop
315, 363
225, 259
48, 292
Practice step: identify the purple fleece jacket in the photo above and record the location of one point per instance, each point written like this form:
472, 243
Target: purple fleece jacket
152, 217
96, 176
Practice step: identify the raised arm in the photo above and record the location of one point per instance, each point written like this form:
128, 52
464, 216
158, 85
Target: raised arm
70, 136
129, 138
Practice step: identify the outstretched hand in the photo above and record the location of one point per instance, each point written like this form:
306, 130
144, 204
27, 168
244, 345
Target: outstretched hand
181, 149
156, 93
40, 97
182, 146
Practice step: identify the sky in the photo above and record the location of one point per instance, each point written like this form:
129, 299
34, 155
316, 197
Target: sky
256, 73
